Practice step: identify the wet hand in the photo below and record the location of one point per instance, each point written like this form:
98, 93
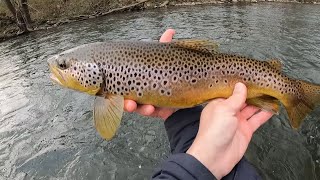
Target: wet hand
149, 110
226, 128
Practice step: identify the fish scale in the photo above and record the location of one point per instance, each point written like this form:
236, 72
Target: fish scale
179, 74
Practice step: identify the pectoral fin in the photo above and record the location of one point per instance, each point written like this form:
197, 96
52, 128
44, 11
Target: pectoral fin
107, 115
265, 102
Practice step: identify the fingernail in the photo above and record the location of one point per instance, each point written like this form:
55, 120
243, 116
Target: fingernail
238, 88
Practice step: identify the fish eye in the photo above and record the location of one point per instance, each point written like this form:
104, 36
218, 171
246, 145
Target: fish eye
63, 64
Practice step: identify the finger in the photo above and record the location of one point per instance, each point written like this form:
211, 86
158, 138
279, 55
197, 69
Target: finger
130, 105
163, 113
167, 35
217, 100
248, 111
145, 110
258, 119
238, 97
214, 103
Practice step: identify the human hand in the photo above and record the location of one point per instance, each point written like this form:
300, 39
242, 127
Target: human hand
149, 110
225, 130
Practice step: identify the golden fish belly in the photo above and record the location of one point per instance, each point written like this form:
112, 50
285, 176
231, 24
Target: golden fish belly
185, 95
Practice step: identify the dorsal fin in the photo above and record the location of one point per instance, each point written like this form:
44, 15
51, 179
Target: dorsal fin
275, 63
198, 45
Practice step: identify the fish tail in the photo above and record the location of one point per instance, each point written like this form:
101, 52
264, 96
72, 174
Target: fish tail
304, 101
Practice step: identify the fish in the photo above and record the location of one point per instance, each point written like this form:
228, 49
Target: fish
178, 74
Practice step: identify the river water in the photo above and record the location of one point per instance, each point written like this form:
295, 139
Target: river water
46, 132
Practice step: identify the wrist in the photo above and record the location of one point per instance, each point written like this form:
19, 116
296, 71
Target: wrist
208, 161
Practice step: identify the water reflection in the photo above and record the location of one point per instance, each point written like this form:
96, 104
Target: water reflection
47, 132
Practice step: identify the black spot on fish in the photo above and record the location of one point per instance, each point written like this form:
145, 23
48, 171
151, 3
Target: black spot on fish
154, 85
165, 82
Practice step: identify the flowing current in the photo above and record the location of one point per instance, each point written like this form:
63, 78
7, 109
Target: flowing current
46, 132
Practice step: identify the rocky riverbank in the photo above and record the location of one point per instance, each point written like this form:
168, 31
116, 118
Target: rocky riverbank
47, 15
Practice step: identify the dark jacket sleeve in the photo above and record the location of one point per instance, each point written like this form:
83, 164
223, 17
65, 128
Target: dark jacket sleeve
182, 127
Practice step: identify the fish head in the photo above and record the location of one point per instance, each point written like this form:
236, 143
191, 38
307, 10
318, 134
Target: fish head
75, 73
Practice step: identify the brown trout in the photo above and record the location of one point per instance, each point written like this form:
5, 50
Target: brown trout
179, 74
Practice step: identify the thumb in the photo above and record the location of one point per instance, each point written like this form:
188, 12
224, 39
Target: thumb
238, 97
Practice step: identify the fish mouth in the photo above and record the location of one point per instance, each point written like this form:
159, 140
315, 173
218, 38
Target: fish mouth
56, 75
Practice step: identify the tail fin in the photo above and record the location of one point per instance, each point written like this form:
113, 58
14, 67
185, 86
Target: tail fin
306, 99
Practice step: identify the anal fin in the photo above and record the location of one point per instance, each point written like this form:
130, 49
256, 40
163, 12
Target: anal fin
265, 102
107, 114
